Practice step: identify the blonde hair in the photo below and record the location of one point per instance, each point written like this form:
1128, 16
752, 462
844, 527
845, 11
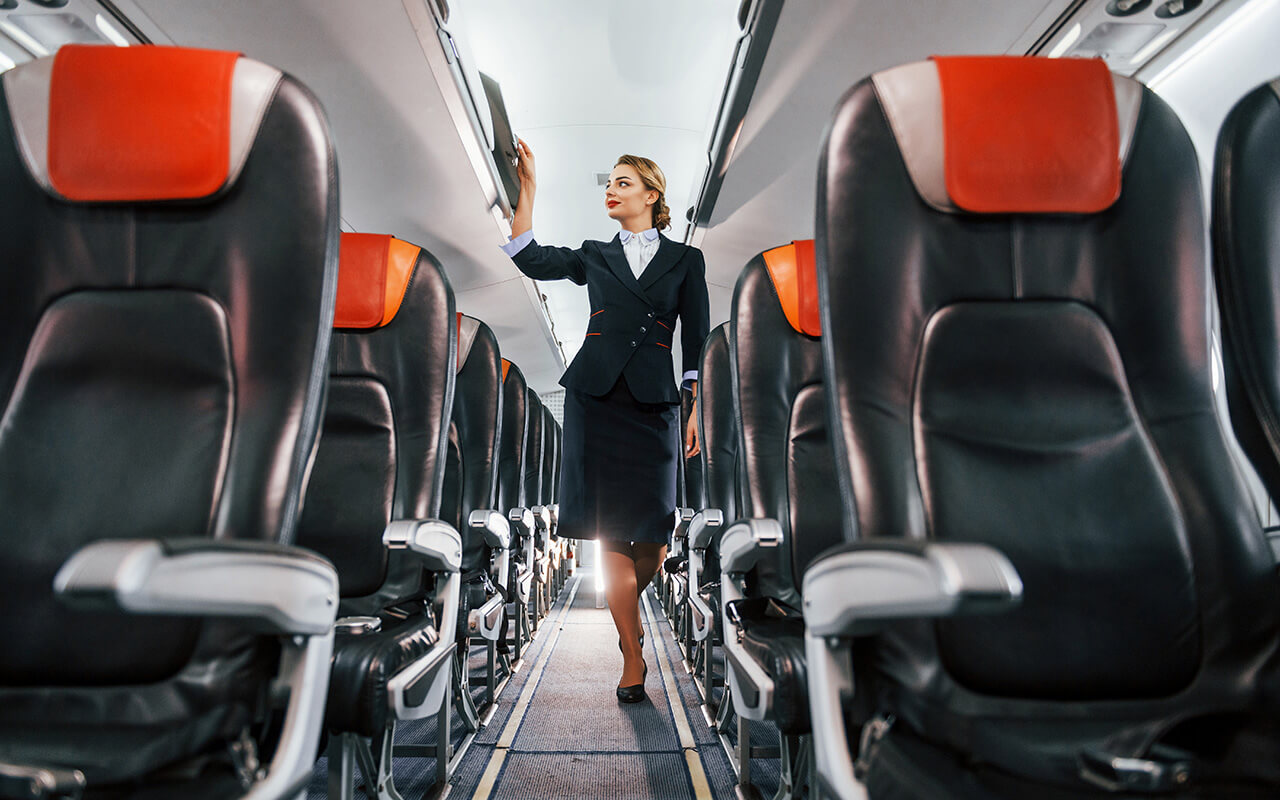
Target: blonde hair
651, 176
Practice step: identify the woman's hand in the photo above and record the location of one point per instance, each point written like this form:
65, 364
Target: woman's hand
691, 446
525, 170
522, 214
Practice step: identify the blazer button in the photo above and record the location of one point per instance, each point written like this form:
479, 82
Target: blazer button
633, 343
643, 329
650, 315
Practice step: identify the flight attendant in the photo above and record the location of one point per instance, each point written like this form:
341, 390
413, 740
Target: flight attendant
621, 406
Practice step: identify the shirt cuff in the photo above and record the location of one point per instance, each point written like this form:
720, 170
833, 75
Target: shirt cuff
517, 244
689, 377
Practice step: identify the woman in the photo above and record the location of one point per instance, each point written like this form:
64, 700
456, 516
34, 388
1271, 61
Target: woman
621, 407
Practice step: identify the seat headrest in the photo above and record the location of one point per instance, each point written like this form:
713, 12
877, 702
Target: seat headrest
1008, 135
794, 272
468, 327
373, 275
106, 124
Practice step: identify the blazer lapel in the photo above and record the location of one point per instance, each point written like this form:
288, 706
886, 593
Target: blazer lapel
617, 261
668, 254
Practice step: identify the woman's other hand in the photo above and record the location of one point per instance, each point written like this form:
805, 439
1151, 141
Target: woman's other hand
691, 446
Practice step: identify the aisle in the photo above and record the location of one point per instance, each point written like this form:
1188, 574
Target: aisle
566, 736
559, 733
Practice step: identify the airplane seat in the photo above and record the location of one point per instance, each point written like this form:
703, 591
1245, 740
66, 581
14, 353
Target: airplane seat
169, 230
512, 501
486, 533
379, 466
543, 518
533, 445
790, 509
1247, 267
1014, 308
718, 437
694, 491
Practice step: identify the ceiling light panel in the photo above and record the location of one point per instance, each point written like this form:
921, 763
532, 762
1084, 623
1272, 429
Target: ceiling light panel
1126, 33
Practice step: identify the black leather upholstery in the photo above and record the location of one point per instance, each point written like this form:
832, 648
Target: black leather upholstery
477, 414
533, 451
363, 664
381, 455
774, 636
785, 451
550, 449
511, 443
1246, 248
718, 432
1041, 383
162, 374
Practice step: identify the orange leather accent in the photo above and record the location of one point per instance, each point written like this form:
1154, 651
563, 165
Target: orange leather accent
506, 367
458, 337
807, 284
139, 123
1029, 135
362, 280
402, 257
793, 270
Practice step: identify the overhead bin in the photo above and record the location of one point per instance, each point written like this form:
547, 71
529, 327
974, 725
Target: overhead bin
505, 156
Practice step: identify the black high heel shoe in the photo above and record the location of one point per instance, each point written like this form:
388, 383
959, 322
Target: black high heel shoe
633, 694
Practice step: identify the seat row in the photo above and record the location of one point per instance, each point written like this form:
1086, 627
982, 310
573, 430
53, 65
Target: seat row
262, 483
973, 527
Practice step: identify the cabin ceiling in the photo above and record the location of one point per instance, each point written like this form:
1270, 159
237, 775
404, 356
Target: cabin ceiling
404, 170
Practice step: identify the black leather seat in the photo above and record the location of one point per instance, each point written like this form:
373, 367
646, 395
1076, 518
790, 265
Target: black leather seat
1019, 363
789, 498
511, 499
381, 461
533, 445
165, 324
720, 473
1246, 199
471, 485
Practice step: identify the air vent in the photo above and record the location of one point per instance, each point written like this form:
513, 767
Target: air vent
602, 178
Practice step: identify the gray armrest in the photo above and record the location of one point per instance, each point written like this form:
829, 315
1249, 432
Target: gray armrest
855, 589
704, 527
495, 530
852, 590
280, 589
435, 542
684, 516
542, 517
748, 541
522, 520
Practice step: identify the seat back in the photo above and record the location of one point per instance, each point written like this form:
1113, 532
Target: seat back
533, 443
391, 387
515, 417
1015, 339
1246, 252
779, 399
718, 426
472, 481
550, 450
169, 230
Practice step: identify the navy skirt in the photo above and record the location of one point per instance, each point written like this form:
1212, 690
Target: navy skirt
618, 474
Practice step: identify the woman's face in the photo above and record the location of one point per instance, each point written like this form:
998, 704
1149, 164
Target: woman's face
625, 195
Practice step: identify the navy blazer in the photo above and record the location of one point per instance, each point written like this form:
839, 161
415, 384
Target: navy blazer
632, 321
